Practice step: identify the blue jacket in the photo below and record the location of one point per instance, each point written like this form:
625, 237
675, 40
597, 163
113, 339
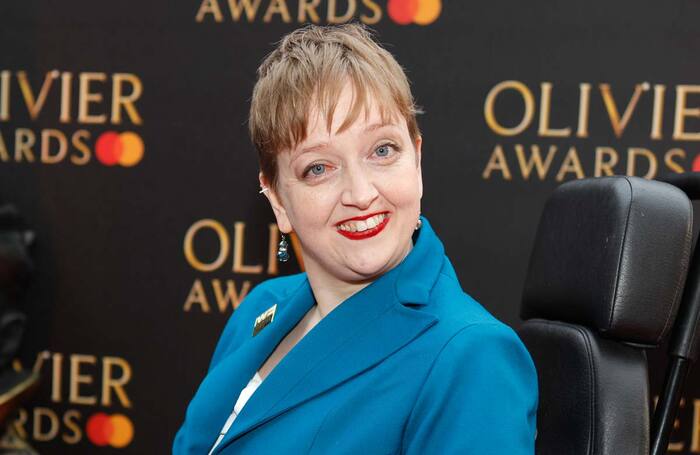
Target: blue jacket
409, 364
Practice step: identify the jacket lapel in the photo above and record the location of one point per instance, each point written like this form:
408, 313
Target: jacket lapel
219, 391
358, 334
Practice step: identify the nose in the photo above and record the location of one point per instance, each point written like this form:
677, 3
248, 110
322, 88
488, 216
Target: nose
359, 189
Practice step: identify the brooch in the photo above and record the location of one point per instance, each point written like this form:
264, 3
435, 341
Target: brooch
264, 319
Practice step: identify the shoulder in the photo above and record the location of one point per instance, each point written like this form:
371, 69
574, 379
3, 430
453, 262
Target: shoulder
455, 309
481, 387
481, 376
486, 349
467, 332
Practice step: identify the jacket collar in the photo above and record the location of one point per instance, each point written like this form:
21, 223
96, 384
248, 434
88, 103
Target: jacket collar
420, 269
349, 340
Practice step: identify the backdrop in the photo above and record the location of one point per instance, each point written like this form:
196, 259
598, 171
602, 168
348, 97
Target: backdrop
123, 142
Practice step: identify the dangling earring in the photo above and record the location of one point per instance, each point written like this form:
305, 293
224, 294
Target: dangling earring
282, 253
419, 224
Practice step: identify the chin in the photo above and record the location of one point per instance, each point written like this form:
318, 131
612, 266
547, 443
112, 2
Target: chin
369, 268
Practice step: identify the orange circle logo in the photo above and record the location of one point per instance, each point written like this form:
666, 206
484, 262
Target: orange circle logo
115, 430
113, 148
421, 12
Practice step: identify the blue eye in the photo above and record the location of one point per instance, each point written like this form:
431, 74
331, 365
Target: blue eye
317, 169
383, 150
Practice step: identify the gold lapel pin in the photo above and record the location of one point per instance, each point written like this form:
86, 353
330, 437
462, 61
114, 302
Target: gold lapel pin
264, 319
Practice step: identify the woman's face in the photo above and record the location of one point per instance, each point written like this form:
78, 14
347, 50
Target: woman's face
353, 198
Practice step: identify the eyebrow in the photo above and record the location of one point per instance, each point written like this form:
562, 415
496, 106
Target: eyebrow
321, 145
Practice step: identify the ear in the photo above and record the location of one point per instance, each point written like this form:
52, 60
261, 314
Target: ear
280, 213
418, 146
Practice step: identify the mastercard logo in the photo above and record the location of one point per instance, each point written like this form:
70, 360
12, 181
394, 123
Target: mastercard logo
113, 148
421, 12
115, 430
696, 164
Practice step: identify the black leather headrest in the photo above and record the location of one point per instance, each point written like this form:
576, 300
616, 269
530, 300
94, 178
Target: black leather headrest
611, 253
594, 393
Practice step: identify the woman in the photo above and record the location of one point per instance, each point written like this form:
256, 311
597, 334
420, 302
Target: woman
375, 349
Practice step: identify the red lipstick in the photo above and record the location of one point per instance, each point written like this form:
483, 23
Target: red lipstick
368, 232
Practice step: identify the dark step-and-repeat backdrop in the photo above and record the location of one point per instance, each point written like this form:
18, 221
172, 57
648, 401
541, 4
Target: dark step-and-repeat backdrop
124, 145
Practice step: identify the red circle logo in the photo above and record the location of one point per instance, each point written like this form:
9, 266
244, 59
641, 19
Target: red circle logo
696, 163
421, 12
113, 148
115, 430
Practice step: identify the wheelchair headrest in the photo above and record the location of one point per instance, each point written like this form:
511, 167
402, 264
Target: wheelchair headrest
611, 253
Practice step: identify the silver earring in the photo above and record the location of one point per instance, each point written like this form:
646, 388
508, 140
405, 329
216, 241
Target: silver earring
282, 253
419, 224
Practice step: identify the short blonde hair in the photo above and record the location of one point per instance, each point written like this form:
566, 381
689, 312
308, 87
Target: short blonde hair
311, 65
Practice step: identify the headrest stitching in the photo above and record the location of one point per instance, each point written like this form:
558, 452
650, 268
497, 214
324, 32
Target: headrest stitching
622, 254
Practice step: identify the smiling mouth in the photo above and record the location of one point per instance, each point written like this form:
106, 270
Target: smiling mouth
362, 229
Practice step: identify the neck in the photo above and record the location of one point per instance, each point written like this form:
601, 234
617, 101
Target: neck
330, 291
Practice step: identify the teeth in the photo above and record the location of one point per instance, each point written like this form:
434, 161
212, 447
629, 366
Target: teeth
359, 226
